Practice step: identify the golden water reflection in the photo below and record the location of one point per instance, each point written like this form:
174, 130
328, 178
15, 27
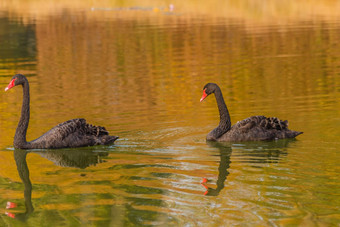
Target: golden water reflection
140, 73
260, 11
148, 71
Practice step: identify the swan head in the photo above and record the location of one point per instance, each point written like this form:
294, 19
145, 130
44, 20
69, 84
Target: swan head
208, 89
16, 80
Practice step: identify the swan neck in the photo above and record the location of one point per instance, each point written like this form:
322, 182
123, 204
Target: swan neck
20, 134
225, 122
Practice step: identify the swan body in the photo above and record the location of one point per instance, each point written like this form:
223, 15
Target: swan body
255, 128
72, 133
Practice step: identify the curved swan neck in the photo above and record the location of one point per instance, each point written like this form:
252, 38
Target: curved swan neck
20, 160
225, 122
20, 133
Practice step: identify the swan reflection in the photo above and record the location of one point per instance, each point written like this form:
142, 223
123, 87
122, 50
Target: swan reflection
66, 158
249, 152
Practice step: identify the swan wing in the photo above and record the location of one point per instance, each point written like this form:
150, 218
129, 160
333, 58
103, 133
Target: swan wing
265, 123
71, 133
259, 128
78, 125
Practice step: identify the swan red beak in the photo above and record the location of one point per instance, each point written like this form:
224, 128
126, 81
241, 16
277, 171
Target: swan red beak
203, 96
10, 85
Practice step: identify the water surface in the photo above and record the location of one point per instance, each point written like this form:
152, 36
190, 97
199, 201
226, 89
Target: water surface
140, 72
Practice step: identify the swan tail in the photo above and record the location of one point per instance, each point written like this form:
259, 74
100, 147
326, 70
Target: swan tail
105, 140
293, 134
279, 126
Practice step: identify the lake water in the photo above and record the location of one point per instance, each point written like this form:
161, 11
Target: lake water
140, 72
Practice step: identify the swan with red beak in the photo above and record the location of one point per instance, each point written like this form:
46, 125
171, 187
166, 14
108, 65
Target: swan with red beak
72, 133
253, 128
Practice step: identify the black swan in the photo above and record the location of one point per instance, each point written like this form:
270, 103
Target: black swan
254, 128
71, 133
